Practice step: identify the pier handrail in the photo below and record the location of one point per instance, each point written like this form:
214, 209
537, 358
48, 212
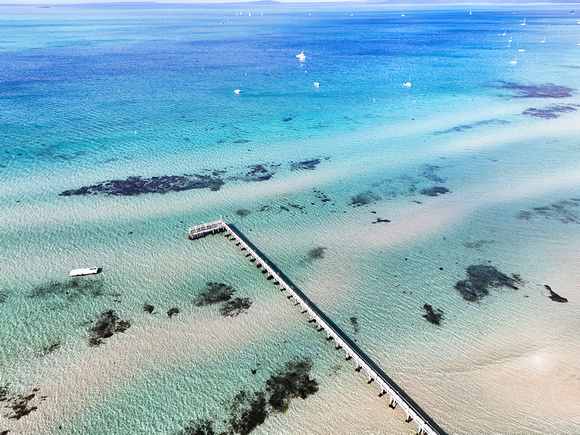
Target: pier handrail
398, 397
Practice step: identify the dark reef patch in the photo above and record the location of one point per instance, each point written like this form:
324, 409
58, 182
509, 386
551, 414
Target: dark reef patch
291, 381
214, 293
432, 315
434, 191
305, 165
248, 410
4, 296
172, 312
478, 244
242, 212
107, 325
260, 172
363, 198
480, 279
46, 350
431, 173
290, 118
549, 112
199, 427
546, 90
148, 308
71, 289
19, 405
136, 185
380, 221
242, 141
565, 211
235, 306
354, 324
464, 127
316, 253
555, 296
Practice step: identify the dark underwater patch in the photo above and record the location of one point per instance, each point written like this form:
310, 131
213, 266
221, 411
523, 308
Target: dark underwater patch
242, 212
316, 253
308, 165
235, 306
434, 191
565, 211
354, 324
546, 90
550, 112
380, 221
132, 186
248, 410
431, 173
148, 308
199, 427
214, 293
291, 381
71, 289
363, 198
433, 316
480, 279
478, 244
464, 127
48, 349
172, 312
4, 294
555, 296
19, 405
107, 325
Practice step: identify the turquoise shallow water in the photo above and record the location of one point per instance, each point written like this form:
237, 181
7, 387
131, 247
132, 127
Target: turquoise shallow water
463, 176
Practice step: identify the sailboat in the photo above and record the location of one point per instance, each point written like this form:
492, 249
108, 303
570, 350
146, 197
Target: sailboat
543, 41
408, 84
523, 23
403, 14
301, 56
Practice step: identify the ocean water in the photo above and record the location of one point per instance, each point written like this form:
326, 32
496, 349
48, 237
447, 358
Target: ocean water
374, 198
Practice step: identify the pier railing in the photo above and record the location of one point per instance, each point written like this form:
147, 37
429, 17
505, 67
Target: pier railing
363, 362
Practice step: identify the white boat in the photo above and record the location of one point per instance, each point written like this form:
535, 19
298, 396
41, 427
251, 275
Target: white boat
470, 13
523, 23
316, 84
513, 62
301, 56
249, 14
522, 49
84, 271
237, 91
408, 84
403, 14
543, 41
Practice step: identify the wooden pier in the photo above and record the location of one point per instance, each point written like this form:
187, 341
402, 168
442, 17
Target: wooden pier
426, 426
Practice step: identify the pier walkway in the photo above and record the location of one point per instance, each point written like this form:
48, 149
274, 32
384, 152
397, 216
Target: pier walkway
426, 426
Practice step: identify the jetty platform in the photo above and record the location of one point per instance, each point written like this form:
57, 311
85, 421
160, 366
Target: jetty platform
397, 397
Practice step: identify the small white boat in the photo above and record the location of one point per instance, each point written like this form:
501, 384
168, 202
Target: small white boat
522, 49
84, 271
513, 62
523, 23
249, 14
543, 41
470, 13
316, 84
237, 91
301, 56
408, 84
403, 14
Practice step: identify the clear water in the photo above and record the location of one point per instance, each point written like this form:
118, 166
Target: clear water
93, 94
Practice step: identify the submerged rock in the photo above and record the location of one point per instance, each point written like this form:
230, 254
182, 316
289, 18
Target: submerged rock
215, 292
432, 316
236, 306
148, 308
172, 312
435, 191
107, 325
554, 296
481, 278
292, 380
354, 323
316, 253
546, 90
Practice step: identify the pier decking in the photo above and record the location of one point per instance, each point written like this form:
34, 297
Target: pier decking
426, 426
